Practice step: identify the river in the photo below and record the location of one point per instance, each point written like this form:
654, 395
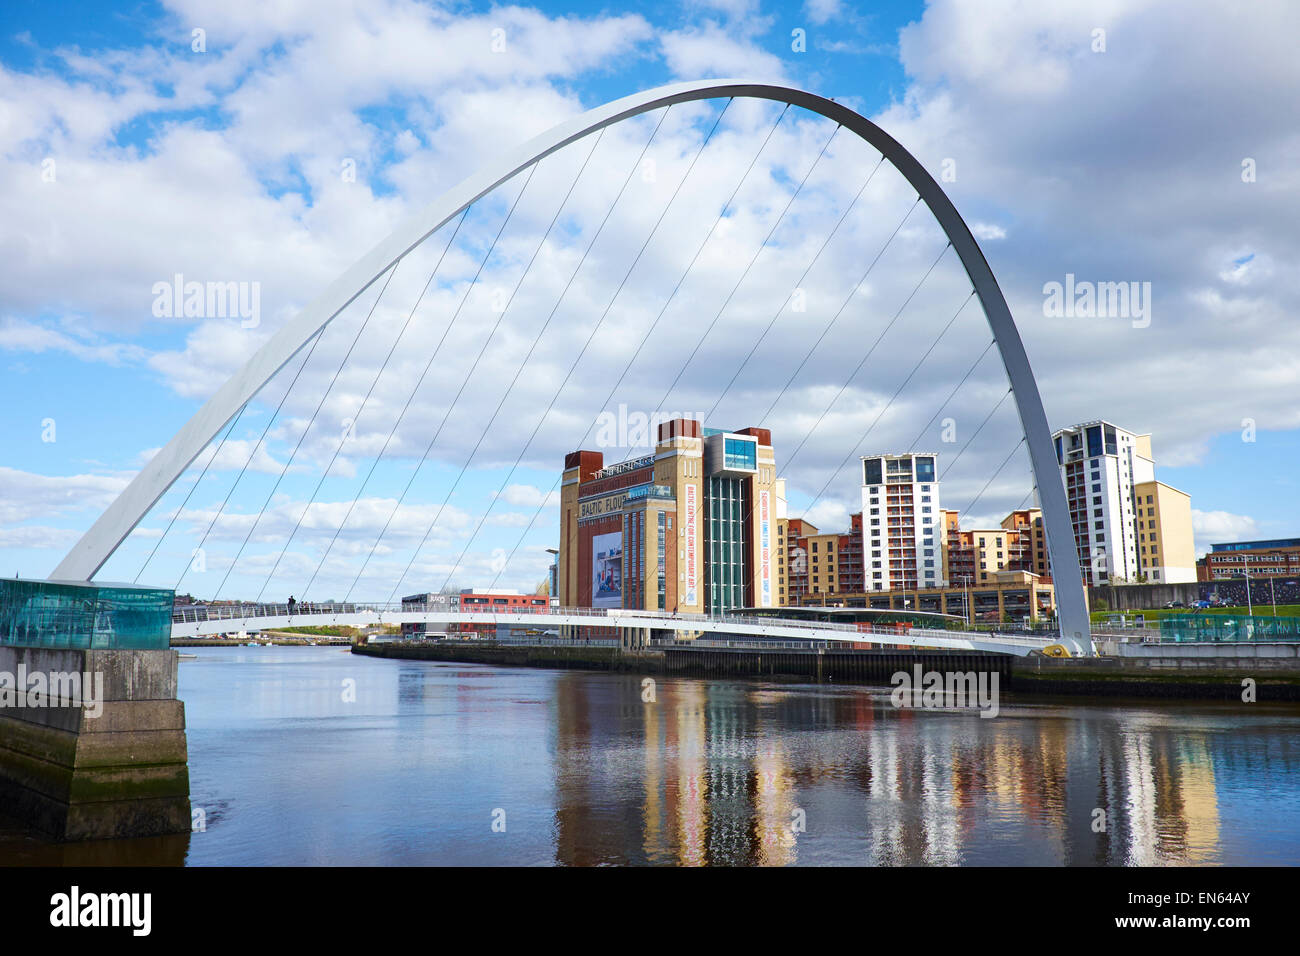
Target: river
314, 756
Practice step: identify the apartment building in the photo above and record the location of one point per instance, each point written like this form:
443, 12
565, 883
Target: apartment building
901, 528
1107, 471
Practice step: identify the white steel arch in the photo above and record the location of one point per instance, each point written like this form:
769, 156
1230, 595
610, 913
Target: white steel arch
107, 533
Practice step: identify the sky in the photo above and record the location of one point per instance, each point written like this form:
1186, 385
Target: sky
734, 261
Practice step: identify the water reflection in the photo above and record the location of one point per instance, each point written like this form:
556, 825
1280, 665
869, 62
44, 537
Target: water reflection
746, 774
315, 757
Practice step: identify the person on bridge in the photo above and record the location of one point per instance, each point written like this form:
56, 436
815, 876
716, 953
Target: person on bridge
292, 603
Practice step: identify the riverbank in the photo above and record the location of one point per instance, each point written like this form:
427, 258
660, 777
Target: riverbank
276, 638
1173, 678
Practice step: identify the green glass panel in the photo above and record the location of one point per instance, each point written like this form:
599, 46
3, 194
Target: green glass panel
83, 616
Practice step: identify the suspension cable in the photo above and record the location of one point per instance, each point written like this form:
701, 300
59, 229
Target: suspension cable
991, 413
442, 507
353, 503
456, 315
177, 513
649, 332
556, 395
763, 245
798, 284
971, 507
835, 318
944, 404
260, 443
303, 436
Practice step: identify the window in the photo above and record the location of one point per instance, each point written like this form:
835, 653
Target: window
739, 453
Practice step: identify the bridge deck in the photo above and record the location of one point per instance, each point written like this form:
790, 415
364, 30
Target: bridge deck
203, 621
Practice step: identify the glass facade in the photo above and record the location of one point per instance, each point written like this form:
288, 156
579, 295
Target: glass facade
1232, 628
663, 533
727, 543
740, 454
1094, 441
84, 616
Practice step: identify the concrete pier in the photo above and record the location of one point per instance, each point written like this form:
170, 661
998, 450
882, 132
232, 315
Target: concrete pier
108, 761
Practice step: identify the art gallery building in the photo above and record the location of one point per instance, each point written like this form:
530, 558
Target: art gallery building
689, 528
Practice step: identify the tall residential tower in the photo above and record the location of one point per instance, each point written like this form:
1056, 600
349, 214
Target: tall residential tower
902, 537
1127, 525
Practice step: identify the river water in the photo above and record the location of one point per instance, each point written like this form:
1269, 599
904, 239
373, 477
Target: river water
314, 756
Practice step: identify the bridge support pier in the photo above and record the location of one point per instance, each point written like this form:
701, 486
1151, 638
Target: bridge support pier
107, 761
634, 638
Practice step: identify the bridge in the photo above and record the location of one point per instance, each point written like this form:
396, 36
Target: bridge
300, 336
207, 621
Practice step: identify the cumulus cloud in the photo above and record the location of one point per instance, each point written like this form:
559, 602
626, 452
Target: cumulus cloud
300, 139
1211, 527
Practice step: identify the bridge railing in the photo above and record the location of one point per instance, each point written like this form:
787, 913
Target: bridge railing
239, 612
245, 612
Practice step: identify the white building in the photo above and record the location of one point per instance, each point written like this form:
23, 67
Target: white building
902, 534
1110, 483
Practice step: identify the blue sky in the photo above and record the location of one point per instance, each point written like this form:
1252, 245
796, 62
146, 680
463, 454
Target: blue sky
130, 157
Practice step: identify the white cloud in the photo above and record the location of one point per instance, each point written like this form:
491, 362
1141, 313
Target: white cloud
821, 11
1059, 169
529, 496
1213, 527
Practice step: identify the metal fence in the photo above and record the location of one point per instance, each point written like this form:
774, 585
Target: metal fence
1237, 628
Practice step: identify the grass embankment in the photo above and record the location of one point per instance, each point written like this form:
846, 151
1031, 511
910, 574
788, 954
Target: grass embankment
326, 630
1261, 610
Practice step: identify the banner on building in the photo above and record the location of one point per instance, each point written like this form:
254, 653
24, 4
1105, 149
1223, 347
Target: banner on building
607, 570
690, 546
765, 548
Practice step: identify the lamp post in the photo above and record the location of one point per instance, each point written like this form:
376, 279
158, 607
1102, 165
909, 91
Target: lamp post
966, 585
555, 557
1250, 608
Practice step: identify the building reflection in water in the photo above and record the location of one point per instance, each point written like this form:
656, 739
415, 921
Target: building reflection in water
719, 773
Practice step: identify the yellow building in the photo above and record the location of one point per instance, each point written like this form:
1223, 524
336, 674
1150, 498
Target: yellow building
690, 528
1163, 516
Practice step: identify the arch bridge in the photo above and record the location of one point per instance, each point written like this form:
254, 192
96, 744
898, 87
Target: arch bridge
95, 547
